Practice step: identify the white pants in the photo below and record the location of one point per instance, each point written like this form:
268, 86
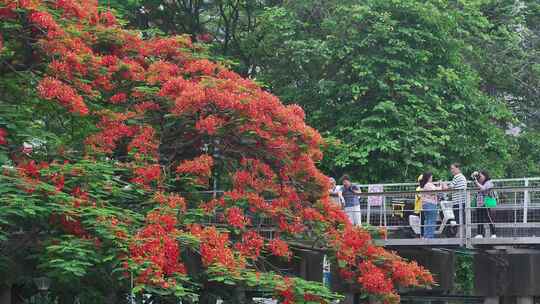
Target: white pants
354, 215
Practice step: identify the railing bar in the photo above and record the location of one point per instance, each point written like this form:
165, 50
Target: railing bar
468, 221
514, 231
412, 184
498, 189
526, 200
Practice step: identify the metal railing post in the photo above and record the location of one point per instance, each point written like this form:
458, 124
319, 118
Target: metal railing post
461, 218
526, 201
368, 215
384, 211
468, 222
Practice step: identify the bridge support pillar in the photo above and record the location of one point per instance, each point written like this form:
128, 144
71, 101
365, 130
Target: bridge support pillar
504, 274
440, 263
491, 300
525, 300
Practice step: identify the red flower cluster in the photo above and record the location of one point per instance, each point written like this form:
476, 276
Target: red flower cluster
374, 280
349, 243
46, 22
404, 274
161, 71
108, 19
76, 9
144, 143
172, 201
156, 243
255, 175
251, 245
236, 218
201, 67
119, 98
31, 169
210, 124
50, 88
311, 214
59, 181
200, 167
3, 135
286, 291
113, 128
279, 248
71, 224
215, 247
206, 37
146, 175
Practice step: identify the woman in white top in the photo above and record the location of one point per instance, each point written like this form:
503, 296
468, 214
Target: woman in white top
335, 192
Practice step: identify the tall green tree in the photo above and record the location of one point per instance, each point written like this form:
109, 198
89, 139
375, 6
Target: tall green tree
505, 51
388, 81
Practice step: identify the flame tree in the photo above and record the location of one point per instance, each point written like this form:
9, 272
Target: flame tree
109, 141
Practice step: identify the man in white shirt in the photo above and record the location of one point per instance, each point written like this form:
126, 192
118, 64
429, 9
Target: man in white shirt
459, 182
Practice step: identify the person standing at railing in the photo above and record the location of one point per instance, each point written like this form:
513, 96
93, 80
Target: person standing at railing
335, 192
459, 182
418, 205
485, 186
429, 204
349, 193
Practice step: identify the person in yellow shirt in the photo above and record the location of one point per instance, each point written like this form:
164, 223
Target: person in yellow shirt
418, 198
418, 205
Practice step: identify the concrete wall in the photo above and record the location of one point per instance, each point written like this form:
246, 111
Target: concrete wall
440, 263
507, 274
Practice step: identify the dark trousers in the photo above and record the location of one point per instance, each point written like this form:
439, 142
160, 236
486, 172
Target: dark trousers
422, 220
485, 216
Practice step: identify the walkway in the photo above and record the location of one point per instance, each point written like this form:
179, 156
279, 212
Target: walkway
516, 217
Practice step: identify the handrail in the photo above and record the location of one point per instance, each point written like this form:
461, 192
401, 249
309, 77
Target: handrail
498, 189
500, 180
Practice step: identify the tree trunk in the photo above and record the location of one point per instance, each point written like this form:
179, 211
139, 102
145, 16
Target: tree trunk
240, 296
205, 299
5, 294
111, 297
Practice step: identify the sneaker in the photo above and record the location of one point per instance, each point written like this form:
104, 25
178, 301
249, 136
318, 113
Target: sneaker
493, 236
479, 236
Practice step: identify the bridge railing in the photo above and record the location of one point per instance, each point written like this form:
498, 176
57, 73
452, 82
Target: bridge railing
503, 182
517, 214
